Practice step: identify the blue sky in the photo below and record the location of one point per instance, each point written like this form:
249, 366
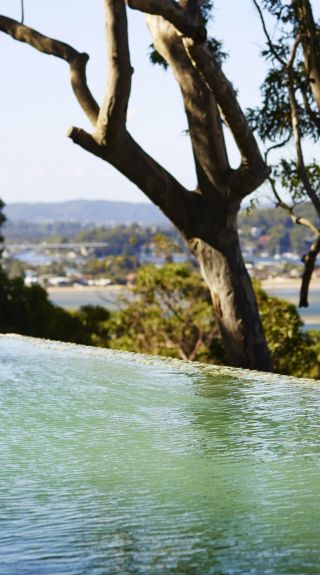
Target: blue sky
39, 163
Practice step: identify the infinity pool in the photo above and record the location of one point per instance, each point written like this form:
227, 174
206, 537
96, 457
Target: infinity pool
114, 463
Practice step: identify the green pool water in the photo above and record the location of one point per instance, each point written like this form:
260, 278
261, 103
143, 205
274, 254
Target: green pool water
114, 463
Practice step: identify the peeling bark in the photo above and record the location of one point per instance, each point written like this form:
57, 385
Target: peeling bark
234, 301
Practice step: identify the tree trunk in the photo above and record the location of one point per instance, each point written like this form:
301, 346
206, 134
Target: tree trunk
234, 300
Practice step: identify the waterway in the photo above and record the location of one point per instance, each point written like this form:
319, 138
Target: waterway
73, 298
113, 463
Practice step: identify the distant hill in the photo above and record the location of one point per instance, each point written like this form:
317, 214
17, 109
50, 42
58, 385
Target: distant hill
98, 212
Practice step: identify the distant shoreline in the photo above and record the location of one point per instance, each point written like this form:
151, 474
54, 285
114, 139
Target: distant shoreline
288, 283
79, 288
277, 283
62, 296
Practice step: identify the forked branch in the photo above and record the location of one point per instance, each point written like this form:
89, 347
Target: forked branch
204, 123
110, 123
178, 204
173, 13
253, 169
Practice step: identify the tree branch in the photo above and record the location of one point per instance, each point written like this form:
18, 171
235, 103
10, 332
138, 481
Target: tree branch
297, 139
76, 60
205, 127
267, 35
178, 204
296, 219
276, 146
297, 41
111, 124
162, 188
307, 27
253, 170
173, 13
314, 117
308, 259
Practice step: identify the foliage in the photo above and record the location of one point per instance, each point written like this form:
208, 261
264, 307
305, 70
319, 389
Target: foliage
292, 349
94, 321
288, 174
170, 315
283, 235
273, 120
28, 311
115, 268
215, 46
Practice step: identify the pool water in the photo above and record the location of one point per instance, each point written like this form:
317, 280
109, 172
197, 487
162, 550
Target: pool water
115, 463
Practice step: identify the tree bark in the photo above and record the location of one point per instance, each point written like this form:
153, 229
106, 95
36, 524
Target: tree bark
310, 43
222, 267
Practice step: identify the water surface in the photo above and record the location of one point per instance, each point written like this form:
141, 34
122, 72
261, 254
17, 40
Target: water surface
115, 463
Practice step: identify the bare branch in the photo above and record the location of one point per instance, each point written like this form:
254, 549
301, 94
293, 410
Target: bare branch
276, 146
267, 35
205, 127
130, 159
314, 117
111, 123
76, 60
22, 11
294, 48
174, 14
178, 204
296, 219
253, 169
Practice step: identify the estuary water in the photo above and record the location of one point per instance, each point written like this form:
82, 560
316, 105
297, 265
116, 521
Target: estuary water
112, 298
113, 463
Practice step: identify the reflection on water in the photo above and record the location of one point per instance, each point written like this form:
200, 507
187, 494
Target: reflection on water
111, 463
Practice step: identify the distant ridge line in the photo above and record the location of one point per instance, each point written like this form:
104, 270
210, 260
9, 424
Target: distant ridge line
99, 212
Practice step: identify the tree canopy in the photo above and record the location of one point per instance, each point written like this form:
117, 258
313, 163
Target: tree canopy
290, 110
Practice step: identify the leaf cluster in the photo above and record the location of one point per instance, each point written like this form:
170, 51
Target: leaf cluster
291, 348
281, 10
171, 310
272, 119
170, 315
287, 172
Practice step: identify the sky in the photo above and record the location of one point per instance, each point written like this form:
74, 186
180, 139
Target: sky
37, 160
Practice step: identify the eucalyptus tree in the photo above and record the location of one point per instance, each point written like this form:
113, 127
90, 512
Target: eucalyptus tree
290, 110
207, 215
